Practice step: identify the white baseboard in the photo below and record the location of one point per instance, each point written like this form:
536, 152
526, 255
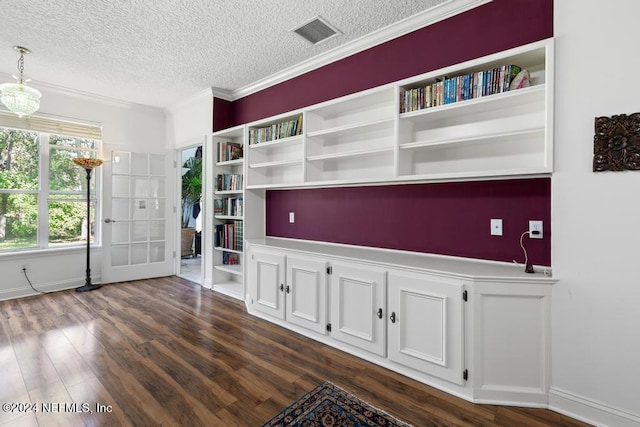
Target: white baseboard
590, 411
26, 291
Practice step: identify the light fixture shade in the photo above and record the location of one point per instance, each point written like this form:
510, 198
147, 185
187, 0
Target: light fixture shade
87, 162
20, 98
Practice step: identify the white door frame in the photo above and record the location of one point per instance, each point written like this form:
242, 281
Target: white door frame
199, 142
130, 269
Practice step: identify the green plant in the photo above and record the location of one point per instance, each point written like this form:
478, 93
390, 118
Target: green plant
191, 187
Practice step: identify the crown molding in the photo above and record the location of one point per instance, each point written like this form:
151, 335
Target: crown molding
415, 22
86, 96
222, 94
207, 94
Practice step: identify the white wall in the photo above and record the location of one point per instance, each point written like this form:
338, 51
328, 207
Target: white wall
596, 231
190, 121
127, 127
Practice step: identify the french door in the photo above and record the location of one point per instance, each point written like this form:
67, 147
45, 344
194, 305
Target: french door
137, 238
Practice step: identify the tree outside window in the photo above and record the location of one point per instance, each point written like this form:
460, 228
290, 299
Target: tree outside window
42, 192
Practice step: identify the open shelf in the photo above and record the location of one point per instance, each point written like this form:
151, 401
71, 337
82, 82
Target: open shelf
235, 162
353, 153
274, 164
352, 111
276, 142
532, 95
353, 129
227, 278
476, 139
231, 288
363, 137
235, 269
227, 192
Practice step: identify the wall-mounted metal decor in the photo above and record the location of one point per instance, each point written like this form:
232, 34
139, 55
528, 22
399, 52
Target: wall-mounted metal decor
616, 143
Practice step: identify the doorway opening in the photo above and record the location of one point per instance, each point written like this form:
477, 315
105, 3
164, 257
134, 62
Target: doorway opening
191, 214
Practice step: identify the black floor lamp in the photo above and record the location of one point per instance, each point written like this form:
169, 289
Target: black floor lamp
88, 164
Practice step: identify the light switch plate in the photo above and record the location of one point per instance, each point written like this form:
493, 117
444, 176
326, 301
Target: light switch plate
496, 226
292, 217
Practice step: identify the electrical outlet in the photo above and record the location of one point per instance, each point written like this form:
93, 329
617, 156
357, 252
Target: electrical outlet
292, 217
496, 226
535, 230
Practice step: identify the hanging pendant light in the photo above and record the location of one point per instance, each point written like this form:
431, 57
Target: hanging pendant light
18, 97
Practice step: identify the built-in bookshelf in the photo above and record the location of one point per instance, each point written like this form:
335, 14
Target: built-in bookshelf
352, 139
280, 129
500, 127
488, 117
276, 147
463, 87
228, 211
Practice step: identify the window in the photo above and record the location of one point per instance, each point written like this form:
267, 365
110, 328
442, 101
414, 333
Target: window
43, 194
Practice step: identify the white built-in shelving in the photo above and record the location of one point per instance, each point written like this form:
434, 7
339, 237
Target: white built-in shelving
364, 137
227, 275
351, 140
275, 159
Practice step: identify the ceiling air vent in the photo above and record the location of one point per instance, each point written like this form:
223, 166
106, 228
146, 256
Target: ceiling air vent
316, 30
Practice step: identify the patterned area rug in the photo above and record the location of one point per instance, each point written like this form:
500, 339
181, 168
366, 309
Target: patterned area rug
328, 405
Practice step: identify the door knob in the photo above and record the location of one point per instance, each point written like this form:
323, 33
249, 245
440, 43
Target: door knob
108, 220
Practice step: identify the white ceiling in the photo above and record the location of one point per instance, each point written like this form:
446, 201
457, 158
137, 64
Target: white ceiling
158, 52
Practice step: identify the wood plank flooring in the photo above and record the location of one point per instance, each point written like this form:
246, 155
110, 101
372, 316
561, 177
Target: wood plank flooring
166, 352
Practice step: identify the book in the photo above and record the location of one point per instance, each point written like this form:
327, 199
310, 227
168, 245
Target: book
218, 206
228, 182
447, 90
275, 131
238, 243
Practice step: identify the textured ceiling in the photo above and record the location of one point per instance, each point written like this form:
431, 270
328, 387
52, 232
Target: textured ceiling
158, 52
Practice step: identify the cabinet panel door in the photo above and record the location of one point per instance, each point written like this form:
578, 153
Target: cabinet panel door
267, 270
306, 288
358, 306
427, 321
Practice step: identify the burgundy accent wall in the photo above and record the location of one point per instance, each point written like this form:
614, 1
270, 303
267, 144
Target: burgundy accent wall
442, 218
446, 218
222, 114
490, 28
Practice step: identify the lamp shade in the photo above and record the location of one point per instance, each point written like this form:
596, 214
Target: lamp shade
20, 98
87, 162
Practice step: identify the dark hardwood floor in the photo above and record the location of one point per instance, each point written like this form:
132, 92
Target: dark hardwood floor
166, 352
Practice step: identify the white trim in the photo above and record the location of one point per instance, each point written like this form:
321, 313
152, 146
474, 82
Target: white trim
75, 93
206, 93
62, 285
221, 93
420, 20
590, 411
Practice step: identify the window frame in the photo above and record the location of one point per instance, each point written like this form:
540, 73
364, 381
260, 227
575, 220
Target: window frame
44, 192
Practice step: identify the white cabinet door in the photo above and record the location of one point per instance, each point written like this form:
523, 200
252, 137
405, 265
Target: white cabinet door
358, 306
267, 274
306, 292
426, 326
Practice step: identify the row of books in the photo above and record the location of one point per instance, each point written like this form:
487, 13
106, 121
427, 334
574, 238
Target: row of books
229, 206
230, 258
447, 90
229, 182
229, 151
229, 236
276, 131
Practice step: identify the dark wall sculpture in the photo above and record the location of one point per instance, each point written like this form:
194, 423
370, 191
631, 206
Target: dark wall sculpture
616, 144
